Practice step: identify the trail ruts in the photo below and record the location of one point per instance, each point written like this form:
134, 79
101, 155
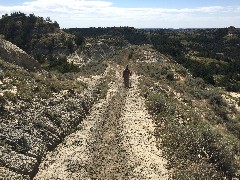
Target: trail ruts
109, 158
115, 141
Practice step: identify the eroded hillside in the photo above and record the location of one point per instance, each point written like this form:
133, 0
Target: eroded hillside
13, 54
38, 109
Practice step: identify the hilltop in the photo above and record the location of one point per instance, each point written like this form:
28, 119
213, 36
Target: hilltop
65, 113
40, 38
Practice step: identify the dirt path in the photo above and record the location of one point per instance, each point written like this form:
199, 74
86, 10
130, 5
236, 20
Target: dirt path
114, 142
137, 132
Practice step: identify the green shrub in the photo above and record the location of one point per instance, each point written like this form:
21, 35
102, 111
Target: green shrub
22, 146
152, 70
51, 114
164, 70
60, 65
157, 104
3, 143
170, 76
181, 70
10, 96
188, 170
234, 127
219, 106
93, 68
216, 100
197, 88
198, 82
3, 101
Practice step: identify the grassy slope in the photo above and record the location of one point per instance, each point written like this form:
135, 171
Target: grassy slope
197, 129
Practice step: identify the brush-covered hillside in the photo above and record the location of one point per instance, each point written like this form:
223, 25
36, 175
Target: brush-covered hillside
211, 54
41, 38
65, 113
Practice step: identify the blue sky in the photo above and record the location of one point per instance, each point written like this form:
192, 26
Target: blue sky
136, 13
174, 3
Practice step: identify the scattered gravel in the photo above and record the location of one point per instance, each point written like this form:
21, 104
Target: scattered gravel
138, 138
115, 141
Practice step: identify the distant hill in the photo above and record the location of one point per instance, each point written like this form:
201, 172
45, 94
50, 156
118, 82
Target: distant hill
41, 38
132, 35
23, 30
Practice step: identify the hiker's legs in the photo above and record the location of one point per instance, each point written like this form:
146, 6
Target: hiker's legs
126, 82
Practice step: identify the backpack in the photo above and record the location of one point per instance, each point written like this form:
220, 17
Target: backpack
126, 73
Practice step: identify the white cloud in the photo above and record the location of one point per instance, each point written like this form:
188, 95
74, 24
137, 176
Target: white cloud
71, 4
85, 13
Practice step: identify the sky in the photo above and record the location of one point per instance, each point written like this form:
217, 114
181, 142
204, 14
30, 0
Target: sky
133, 13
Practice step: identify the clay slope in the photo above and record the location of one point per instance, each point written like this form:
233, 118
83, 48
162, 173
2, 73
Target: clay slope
13, 54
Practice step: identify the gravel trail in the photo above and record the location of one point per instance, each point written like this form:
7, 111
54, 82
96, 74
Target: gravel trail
115, 141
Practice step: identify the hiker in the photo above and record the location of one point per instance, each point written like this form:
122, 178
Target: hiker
126, 75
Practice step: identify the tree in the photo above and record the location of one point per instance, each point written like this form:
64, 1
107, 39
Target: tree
79, 39
48, 20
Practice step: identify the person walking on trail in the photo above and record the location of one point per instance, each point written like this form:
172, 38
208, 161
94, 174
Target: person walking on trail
126, 76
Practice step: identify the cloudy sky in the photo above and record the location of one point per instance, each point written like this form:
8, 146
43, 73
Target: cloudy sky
136, 13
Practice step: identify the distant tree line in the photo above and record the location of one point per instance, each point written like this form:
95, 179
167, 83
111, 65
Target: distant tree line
207, 53
134, 36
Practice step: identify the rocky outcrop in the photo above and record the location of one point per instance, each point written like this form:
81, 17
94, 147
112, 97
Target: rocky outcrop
13, 54
58, 44
97, 49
